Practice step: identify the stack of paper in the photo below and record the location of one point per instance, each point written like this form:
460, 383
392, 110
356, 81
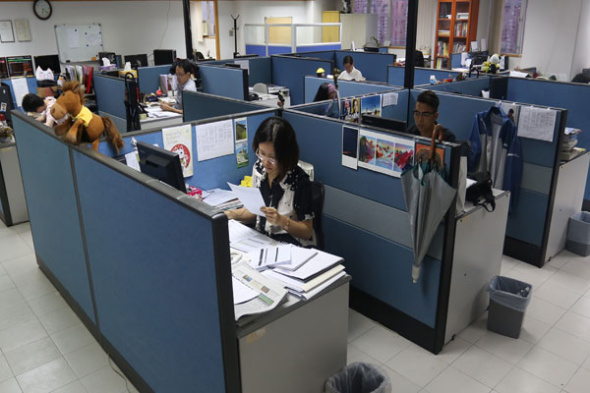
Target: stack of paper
222, 199
568, 147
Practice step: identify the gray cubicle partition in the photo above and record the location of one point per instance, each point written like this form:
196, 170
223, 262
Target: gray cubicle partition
365, 221
110, 99
146, 267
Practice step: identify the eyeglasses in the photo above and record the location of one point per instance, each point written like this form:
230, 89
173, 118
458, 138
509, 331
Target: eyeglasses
423, 114
261, 157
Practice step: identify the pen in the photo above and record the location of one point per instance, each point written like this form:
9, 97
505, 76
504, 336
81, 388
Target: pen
276, 254
261, 253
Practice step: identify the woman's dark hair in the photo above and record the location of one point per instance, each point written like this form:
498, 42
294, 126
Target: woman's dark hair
323, 92
31, 102
281, 134
348, 60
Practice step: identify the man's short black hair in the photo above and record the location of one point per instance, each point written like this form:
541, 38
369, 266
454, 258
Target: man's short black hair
429, 98
581, 78
348, 60
31, 102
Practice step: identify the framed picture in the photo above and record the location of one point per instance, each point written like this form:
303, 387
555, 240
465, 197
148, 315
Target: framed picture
6, 32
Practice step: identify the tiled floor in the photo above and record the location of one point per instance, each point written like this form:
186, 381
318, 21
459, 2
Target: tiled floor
45, 348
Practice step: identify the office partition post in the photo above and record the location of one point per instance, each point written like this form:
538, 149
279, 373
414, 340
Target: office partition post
188, 35
411, 43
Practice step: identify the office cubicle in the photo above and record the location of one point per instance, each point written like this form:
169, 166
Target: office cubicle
396, 75
345, 88
110, 99
198, 106
224, 81
31, 86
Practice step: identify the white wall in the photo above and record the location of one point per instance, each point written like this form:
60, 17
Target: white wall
581, 58
128, 27
550, 36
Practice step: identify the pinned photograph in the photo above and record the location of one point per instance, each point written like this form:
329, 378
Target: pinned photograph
371, 105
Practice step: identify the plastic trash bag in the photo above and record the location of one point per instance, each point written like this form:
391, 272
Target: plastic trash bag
358, 378
510, 292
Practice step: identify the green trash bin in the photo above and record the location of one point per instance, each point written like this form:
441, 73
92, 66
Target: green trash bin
509, 299
358, 378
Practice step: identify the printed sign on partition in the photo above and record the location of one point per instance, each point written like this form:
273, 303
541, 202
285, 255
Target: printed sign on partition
241, 133
350, 146
179, 140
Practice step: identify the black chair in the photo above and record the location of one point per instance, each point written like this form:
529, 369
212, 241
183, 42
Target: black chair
317, 201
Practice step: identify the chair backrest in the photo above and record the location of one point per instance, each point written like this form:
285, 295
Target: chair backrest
317, 201
260, 88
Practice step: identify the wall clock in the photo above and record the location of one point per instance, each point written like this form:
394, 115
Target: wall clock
42, 9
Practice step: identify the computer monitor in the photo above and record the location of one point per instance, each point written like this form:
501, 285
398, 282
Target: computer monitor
20, 66
384, 123
137, 60
109, 55
232, 65
48, 62
3, 68
161, 164
478, 58
244, 56
164, 56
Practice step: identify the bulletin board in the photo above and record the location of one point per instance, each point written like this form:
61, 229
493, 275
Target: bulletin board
78, 42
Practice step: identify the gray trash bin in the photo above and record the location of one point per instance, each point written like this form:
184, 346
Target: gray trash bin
578, 234
508, 301
358, 378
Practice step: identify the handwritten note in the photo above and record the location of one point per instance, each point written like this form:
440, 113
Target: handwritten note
537, 123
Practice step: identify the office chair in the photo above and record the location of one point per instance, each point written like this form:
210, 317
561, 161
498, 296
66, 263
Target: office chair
418, 58
317, 201
260, 88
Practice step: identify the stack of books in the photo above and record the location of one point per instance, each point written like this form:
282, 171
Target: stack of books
569, 150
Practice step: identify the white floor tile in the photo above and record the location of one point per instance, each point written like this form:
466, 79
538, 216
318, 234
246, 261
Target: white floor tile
10, 386
87, 360
531, 274
15, 315
6, 283
483, 366
549, 367
520, 381
381, 343
3, 271
586, 364
544, 311
576, 324
47, 303
72, 338
47, 377
59, 319
559, 260
358, 324
566, 346
453, 349
582, 306
5, 371
354, 354
577, 267
507, 348
476, 330
104, 381
570, 281
10, 298
580, 382
74, 387
532, 329
5, 231
22, 334
13, 246
21, 265
556, 294
399, 383
454, 381
417, 365
32, 355
33, 284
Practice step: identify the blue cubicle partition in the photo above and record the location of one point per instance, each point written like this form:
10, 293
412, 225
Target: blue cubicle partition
372, 65
324, 55
472, 86
317, 47
395, 75
149, 77
290, 72
146, 267
198, 106
529, 221
260, 70
345, 88
31, 85
224, 81
365, 214
110, 98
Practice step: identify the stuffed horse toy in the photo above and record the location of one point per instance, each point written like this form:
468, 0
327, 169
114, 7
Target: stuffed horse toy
85, 126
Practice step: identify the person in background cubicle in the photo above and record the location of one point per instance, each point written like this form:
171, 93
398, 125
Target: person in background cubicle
350, 73
581, 78
285, 187
35, 104
425, 115
183, 70
326, 91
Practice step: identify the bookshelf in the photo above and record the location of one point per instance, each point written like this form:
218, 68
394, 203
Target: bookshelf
456, 27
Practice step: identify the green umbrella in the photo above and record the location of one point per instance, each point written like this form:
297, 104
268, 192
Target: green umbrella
428, 197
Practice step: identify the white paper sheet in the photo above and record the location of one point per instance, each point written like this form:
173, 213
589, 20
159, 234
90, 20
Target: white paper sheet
242, 293
131, 159
537, 123
179, 140
215, 139
73, 38
251, 197
20, 88
218, 196
389, 99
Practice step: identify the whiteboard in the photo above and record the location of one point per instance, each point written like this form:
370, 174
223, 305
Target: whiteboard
78, 42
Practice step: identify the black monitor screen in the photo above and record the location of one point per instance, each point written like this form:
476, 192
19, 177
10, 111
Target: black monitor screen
20, 66
244, 56
164, 56
3, 68
137, 60
161, 164
49, 61
384, 123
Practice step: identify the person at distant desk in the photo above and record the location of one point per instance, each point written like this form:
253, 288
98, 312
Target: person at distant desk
285, 187
184, 70
350, 73
33, 103
425, 115
326, 91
